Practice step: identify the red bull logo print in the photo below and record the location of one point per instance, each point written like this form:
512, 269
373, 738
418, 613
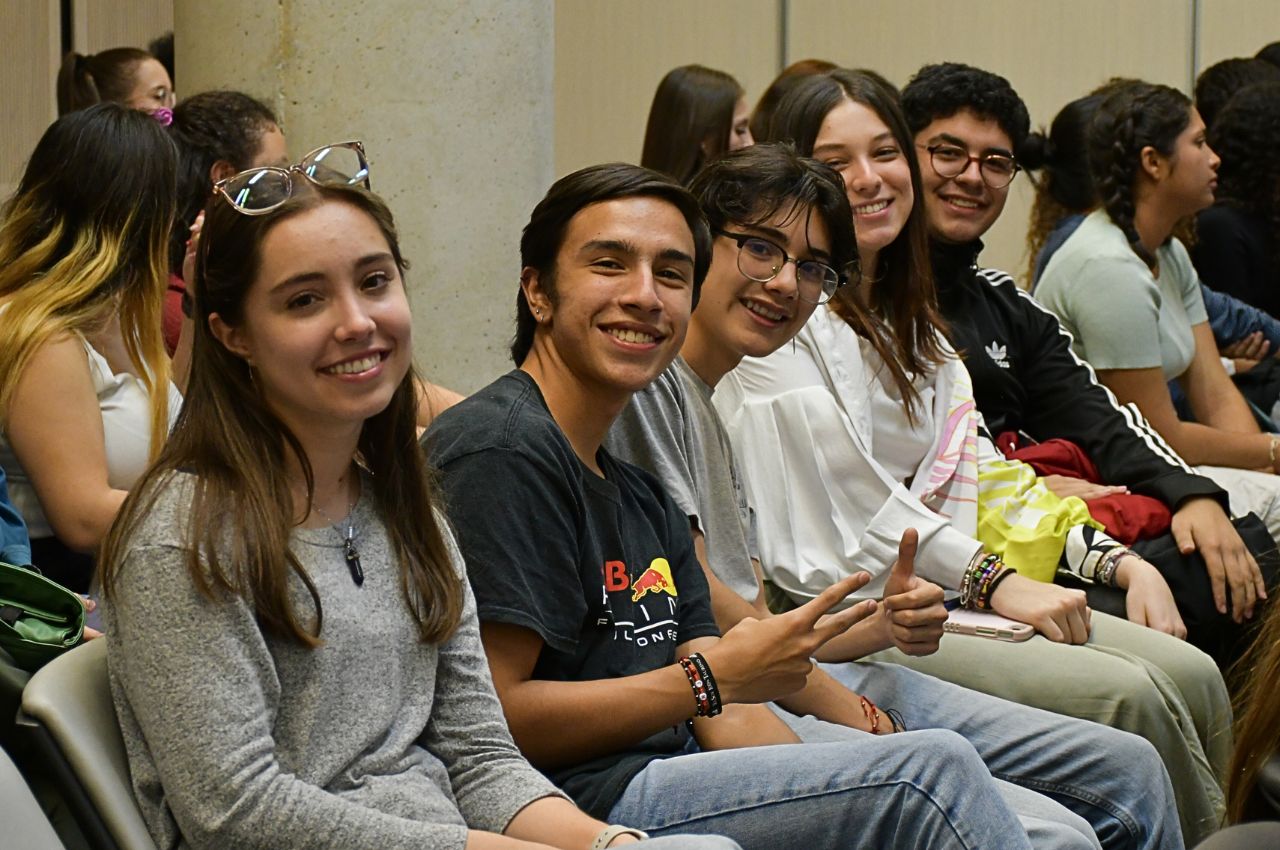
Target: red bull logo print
656, 579
645, 627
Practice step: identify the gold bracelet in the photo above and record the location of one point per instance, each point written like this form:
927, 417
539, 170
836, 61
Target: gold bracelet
1271, 451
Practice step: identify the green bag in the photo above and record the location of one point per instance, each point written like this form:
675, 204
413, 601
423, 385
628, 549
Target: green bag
39, 618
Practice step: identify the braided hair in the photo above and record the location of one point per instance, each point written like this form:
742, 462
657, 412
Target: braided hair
1132, 117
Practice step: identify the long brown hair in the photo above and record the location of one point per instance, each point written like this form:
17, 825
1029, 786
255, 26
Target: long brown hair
689, 121
241, 515
1257, 715
904, 323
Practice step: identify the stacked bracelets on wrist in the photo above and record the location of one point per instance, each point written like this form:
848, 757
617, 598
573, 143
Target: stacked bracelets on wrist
706, 696
1101, 559
1105, 572
872, 711
981, 579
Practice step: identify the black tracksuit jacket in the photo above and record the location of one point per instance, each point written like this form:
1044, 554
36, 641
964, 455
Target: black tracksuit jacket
1026, 379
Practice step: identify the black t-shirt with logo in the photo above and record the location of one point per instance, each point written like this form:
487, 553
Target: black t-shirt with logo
602, 569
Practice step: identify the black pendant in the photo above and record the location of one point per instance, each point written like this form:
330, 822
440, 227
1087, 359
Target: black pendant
353, 561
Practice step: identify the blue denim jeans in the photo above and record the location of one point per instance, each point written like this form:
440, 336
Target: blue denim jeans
911, 790
688, 842
1114, 780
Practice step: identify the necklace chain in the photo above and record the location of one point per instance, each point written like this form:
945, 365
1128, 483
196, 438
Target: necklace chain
349, 550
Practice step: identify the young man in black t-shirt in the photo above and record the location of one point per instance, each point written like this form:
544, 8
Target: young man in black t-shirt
590, 595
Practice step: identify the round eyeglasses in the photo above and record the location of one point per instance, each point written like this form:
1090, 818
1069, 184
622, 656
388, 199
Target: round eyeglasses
997, 169
762, 260
260, 190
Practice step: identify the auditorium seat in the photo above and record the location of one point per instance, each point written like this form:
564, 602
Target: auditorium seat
24, 823
68, 714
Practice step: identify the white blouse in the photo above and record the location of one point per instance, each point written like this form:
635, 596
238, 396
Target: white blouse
825, 470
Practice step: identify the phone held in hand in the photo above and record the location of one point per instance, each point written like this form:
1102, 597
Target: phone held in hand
985, 624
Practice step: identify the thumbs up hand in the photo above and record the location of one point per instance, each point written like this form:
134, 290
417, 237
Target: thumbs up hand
913, 607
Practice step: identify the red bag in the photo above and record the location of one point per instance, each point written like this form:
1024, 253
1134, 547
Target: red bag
1127, 517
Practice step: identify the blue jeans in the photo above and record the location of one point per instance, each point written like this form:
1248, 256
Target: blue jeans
912, 790
689, 842
1112, 779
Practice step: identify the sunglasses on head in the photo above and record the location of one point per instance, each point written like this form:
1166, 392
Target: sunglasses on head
260, 190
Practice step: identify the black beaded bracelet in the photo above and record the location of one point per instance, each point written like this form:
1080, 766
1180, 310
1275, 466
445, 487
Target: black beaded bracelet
995, 582
714, 705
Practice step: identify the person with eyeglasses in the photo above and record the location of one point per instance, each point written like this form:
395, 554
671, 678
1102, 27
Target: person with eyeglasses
672, 429
1026, 380
293, 650
594, 609
899, 444
213, 129
126, 75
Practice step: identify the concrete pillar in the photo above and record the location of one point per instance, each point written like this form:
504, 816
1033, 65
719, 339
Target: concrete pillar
453, 100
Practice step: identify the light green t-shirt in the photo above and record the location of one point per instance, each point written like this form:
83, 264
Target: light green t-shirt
1119, 314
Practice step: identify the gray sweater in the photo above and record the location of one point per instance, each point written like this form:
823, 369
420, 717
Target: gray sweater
372, 740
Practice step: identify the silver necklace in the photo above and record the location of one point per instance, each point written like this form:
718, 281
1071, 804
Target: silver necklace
349, 550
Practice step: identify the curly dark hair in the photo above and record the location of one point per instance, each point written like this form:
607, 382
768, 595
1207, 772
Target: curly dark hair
1217, 83
940, 91
1249, 177
208, 127
1131, 118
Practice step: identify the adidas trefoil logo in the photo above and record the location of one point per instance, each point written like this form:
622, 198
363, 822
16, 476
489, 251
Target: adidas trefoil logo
998, 354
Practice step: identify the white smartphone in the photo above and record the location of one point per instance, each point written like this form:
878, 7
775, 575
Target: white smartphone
985, 624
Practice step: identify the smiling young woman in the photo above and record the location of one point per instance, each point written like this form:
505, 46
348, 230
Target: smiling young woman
294, 653
865, 427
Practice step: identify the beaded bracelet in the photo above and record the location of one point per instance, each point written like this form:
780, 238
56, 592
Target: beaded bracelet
697, 685
975, 587
872, 713
706, 696
714, 706
995, 582
973, 576
990, 578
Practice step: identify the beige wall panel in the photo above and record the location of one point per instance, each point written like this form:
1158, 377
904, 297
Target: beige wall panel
1236, 28
610, 56
1052, 52
233, 44
452, 99
101, 24
32, 37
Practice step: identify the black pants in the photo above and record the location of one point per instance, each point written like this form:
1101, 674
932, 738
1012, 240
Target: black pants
1217, 634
